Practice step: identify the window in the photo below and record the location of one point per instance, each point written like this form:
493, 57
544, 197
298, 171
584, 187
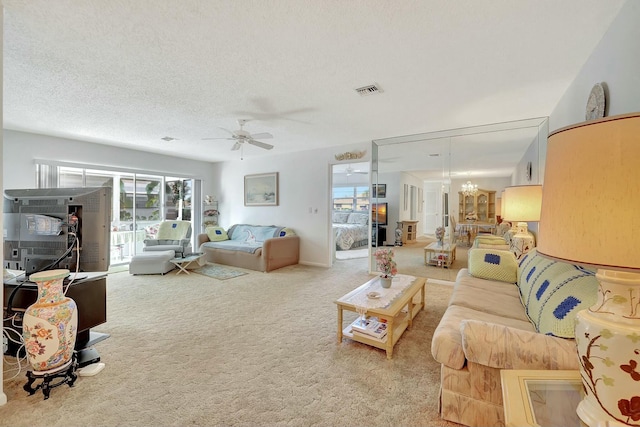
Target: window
351, 198
140, 201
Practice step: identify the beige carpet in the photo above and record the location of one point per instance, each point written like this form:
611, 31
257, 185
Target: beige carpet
259, 349
410, 259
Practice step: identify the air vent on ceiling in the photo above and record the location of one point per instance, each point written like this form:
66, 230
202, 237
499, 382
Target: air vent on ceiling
168, 138
369, 90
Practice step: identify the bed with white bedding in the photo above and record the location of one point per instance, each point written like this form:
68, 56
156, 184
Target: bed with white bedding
351, 229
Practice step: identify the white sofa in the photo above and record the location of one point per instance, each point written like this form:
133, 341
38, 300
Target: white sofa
505, 315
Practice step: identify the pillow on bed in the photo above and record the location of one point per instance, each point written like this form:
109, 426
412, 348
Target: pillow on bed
340, 217
358, 218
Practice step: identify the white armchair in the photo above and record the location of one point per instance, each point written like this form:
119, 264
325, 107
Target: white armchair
172, 235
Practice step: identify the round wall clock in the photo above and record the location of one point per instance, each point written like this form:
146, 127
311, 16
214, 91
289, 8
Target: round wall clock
595, 103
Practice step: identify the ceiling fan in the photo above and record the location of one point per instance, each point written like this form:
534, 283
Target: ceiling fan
350, 171
241, 136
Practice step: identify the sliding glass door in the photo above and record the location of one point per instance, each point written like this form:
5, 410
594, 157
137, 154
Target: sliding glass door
140, 202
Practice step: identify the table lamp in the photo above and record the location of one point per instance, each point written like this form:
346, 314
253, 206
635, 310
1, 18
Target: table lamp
521, 205
590, 216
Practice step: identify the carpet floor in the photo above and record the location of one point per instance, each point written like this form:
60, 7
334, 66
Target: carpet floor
410, 260
258, 349
217, 271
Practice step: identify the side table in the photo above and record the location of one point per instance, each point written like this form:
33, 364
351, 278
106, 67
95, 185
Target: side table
440, 255
186, 262
541, 398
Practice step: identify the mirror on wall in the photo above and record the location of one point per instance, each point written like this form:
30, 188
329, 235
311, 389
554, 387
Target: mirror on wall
424, 173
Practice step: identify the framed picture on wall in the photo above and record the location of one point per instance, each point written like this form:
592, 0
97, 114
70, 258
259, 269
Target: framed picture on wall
261, 189
379, 191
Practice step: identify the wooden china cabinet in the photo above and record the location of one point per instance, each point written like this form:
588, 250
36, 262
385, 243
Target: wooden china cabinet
483, 203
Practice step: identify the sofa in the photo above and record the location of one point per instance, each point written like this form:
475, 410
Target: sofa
505, 314
255, 247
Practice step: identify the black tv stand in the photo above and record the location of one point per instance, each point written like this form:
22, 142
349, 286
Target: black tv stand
87, 355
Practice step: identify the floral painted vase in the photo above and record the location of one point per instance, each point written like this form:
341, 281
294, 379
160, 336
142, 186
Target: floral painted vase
608, 343
50, 325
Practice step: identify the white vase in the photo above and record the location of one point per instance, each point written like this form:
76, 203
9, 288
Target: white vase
608, 341
385, 282
398, 232
50, 325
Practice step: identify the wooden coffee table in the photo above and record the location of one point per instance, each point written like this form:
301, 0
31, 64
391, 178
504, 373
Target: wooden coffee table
440, 255
399, 313
189, 261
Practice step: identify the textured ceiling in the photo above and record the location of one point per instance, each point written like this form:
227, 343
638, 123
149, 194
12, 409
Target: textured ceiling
128, 73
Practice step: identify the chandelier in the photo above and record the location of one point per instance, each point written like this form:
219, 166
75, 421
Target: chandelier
469, 189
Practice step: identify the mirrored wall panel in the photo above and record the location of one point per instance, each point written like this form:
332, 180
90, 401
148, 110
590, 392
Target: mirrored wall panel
448, 184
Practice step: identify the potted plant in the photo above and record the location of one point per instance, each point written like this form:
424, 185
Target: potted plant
386, 265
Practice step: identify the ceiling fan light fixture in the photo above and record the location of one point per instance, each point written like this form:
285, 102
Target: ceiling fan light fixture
241, 136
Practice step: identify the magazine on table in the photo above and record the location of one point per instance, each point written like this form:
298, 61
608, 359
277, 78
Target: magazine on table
370, 326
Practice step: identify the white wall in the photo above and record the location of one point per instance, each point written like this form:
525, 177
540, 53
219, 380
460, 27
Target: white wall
21, 149
616, 62
304, 191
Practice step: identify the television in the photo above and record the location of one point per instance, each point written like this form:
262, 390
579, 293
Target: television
379, 213
46, 228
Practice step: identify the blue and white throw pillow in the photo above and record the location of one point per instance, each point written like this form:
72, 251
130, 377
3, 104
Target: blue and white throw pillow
553, 293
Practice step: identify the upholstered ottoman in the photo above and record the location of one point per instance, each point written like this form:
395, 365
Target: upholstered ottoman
155, 262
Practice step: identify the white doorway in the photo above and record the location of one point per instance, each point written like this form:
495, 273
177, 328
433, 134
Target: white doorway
432, 207
350, 193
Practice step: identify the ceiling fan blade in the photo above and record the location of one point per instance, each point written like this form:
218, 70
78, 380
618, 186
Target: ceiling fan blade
236, 146
263, 135
260, 144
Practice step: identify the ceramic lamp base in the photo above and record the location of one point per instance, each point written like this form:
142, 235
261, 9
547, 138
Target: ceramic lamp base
608, 341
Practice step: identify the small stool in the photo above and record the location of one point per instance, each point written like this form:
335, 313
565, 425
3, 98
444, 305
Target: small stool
155, 262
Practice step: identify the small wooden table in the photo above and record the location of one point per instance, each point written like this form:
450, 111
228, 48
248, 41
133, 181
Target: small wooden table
188, 261
440, 255
398, 320
541, 398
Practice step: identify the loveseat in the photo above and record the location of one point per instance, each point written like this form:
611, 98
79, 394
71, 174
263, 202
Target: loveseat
255, 247
505, 314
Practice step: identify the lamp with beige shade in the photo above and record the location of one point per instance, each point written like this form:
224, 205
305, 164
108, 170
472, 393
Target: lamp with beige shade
591, 216
521, 205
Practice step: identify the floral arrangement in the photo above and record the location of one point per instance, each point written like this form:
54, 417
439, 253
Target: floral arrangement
385, 262
440, 233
